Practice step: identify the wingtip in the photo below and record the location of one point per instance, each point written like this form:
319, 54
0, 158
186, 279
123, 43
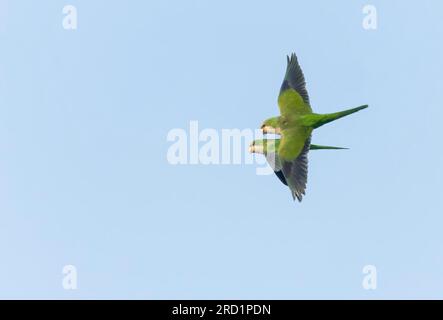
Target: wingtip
297, 196
291, 57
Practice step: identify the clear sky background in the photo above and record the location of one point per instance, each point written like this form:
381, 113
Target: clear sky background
84, 178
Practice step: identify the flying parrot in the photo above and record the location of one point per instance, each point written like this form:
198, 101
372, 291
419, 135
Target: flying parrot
288, 156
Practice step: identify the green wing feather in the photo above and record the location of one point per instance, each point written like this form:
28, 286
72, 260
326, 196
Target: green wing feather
293, 97
292, 142
296, 172
293, 154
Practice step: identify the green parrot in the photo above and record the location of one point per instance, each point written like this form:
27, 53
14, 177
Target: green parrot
288, 156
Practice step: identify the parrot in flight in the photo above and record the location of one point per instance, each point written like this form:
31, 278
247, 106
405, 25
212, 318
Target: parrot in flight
288, 156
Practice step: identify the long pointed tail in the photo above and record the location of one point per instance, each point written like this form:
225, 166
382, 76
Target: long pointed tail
317, 120
318, 147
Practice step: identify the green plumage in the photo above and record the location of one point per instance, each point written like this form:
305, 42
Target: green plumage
295, 125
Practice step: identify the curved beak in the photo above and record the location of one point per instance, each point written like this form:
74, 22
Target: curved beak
270, 130
256, 149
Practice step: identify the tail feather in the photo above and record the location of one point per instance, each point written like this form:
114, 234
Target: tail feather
318, 147
317, 120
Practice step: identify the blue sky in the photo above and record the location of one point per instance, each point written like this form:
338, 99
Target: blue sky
84, 179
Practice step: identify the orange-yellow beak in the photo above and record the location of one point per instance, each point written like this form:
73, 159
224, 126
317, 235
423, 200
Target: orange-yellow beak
270, 130
255, 149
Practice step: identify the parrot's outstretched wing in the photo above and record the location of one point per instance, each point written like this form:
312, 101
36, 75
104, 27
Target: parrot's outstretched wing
292, 142
293, 97
296, 172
